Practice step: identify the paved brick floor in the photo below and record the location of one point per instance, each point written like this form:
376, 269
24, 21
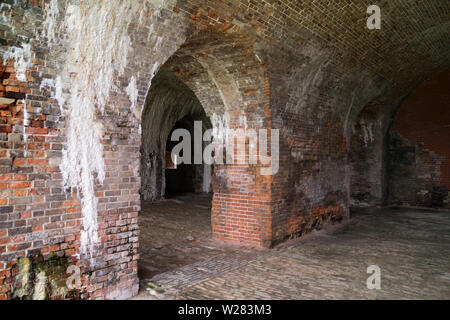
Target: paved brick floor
411, 247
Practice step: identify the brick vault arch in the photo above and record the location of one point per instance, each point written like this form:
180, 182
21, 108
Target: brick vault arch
76, 76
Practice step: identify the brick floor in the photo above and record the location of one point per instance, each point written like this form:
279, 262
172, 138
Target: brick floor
411, 247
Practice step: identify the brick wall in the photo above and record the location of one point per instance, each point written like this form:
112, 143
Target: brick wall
367, 158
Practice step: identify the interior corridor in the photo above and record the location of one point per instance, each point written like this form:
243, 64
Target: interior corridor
411, 248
